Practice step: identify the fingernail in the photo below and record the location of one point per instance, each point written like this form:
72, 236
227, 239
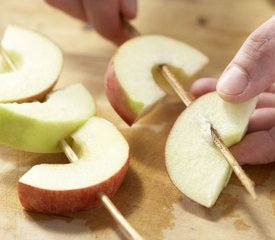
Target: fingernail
233, 81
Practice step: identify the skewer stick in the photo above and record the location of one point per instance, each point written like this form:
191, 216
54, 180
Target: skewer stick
174, 83
187, 100
7, 59
129, 231
240, 173
126, 227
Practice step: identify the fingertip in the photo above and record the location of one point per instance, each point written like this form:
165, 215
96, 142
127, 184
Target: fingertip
106, 18
233, 85
49, 1
121, 39
261, 119
128, 8
227, 97
203, 86
255, 148
237, 98
128, 31
54, 3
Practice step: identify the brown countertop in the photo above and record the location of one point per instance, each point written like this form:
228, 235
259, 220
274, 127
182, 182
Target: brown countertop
147, 198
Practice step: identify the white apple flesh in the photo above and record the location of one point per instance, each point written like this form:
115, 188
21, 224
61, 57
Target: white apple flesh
61, 188
130, 82
38, 127
38, 62
195, 165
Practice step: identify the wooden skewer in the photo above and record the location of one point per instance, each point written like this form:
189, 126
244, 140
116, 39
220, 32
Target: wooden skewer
174, 83
240, 173
129, 231
7, 59
187, 100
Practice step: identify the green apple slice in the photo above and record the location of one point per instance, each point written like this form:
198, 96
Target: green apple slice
194, 164
38, 127
38, 62
132, 82
60, 188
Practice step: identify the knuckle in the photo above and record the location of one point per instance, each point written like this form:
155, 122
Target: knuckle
259, 47
261, 43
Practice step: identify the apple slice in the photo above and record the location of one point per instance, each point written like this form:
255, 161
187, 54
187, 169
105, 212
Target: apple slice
61, 188
194, 164
132, 82
38, 127
38, 62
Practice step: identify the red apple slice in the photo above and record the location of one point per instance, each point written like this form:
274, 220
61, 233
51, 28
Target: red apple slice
38, 127
195, 165
38, 62
130, 78
60, 188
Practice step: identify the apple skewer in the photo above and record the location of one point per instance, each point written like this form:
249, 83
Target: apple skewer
187, 100
129, 231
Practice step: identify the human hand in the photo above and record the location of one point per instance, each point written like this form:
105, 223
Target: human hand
108, 17
250, 73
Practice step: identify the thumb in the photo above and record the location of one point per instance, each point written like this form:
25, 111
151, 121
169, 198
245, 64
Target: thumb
252, 70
